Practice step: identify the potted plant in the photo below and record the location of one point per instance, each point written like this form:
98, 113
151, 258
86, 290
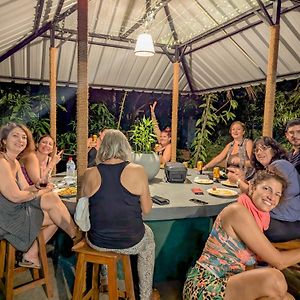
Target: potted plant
143, 140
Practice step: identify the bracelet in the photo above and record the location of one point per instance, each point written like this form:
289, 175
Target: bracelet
34, 194
37, 187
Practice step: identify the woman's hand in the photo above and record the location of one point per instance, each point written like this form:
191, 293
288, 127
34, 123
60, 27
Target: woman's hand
57, 157
158, 148
235, 174
152, 107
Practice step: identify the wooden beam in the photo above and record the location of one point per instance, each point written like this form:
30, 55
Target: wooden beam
175, 97
271, 81
82, 91
52, 87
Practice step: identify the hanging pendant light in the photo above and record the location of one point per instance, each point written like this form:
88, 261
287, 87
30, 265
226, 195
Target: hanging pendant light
144, 45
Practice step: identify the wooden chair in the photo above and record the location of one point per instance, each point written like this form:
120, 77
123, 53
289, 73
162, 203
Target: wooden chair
87, 254
8, 270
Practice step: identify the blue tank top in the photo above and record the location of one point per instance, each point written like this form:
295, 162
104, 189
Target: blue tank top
115, 213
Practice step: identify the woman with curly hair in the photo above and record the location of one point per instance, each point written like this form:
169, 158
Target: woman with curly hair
225, 267
25, 209
285, 218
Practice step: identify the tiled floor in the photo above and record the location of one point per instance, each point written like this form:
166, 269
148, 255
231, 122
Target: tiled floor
168, 290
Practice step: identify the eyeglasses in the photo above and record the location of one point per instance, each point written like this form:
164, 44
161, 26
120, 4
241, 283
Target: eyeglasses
261, 148
293, 132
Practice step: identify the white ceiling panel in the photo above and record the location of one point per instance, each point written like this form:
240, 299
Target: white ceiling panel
221, 44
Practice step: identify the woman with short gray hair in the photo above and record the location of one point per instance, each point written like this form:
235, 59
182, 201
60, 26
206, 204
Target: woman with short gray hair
119, 195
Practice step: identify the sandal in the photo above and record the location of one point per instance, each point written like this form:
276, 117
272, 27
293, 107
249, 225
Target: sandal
29, 264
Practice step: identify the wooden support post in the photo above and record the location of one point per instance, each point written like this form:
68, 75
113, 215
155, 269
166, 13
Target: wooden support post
175, 96
52, 75
271, 81
82, 91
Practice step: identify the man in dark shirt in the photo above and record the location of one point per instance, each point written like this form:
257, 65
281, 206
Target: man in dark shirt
292, 133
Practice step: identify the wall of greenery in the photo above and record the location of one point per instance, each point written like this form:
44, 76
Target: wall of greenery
203, 121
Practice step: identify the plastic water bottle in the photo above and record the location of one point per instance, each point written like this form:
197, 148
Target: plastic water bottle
71, 167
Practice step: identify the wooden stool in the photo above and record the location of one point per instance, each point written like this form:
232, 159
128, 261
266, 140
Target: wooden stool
8, 270
289, 245
87, 254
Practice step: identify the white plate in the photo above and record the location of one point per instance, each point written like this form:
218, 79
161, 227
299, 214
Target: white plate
68, 192
203, 180
221, 192
228, 183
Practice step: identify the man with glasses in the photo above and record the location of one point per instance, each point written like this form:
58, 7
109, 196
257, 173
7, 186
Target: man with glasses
292, 133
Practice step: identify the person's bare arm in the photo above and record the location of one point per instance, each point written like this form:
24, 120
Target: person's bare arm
91, 182
9, 188
135, 180
237, 218
166, 156
32, 166
145, 198
219, 158
236, 175
53, 162
249, 150
157, 131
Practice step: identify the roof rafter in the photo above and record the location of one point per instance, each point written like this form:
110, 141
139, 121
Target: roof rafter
239, 30
142, 20
36, 34
266, 15
186, 69
38, 15
91, 42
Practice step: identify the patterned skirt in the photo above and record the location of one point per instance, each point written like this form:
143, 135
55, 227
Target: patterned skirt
203, 285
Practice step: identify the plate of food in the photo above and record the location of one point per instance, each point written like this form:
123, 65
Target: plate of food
221, 192
67, 192
203, 180
228, 183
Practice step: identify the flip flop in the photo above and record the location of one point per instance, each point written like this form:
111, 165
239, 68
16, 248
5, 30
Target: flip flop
28, 264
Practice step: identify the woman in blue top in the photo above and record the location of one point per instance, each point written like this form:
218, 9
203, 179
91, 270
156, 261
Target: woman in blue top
285, 218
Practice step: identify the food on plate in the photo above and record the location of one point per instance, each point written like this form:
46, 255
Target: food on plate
68, 192
202, 180
222, 192
228, 183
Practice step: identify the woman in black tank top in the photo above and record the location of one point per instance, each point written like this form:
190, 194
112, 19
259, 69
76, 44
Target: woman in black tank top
119, 194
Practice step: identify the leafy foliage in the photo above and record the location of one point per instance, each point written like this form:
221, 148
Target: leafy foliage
142, 136
287, 107
206, 124
100, 117
67, 140
26, 109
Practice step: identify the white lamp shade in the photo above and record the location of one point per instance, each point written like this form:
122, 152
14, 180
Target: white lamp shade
144, 45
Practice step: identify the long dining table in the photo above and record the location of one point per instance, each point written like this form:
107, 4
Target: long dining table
181, 227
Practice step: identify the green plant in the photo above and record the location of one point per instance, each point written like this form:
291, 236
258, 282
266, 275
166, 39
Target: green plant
142, 136
26, 109
67, 140
211, 116
100, 117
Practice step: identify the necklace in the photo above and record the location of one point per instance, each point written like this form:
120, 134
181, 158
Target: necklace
8, 158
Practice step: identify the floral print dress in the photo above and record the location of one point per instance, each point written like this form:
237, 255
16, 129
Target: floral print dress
222, 257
